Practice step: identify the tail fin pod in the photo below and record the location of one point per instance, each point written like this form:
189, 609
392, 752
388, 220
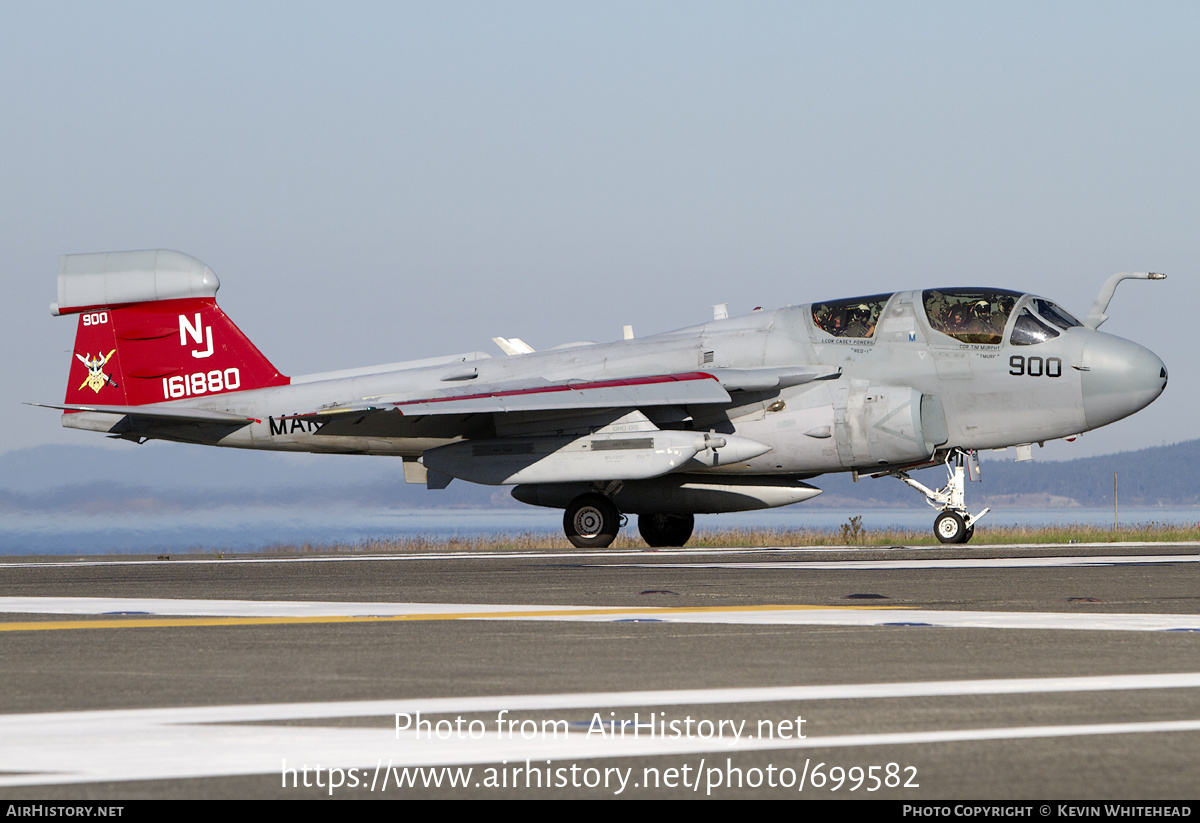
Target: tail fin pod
150, 330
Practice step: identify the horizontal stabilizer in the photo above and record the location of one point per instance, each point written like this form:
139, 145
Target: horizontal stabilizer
169, 414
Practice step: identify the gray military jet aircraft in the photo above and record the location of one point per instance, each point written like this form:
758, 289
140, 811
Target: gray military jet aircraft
731, 415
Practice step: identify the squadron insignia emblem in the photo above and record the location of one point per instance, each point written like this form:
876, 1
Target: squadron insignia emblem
96, 378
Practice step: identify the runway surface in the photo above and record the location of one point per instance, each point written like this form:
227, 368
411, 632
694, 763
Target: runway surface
915, 674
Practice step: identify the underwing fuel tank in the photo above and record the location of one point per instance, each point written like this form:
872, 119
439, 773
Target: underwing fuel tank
596, 457
680, 494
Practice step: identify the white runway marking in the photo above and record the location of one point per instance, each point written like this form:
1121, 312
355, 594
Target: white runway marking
750, 615
605, 554
947, 563
207, 741
914, 618
566, 554
245, 608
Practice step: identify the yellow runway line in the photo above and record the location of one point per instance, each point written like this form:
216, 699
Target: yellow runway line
161, 622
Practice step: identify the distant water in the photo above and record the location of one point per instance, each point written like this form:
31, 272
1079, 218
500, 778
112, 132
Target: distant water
243, 529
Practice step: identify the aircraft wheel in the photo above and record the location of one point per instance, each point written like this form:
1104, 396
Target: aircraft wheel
950, 527
591, 521
666, 529
969, 535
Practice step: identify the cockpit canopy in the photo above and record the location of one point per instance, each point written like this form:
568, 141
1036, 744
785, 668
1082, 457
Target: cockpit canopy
856, 317
970, 315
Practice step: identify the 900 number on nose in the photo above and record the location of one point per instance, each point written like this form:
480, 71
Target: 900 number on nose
1035, 366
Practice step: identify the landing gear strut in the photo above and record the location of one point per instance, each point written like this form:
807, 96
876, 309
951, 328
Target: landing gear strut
954, 523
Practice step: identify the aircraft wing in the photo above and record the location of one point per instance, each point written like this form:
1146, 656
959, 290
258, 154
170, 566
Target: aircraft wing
634, 392
662, 390
688, 388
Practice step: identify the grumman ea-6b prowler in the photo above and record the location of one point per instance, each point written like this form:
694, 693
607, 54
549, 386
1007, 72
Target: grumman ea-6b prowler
730, 415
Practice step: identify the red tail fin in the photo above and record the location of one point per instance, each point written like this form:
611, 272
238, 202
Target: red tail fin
150, 330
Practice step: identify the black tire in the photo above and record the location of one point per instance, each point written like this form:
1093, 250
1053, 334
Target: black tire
666, 529
950, 527
970, 533
591, 521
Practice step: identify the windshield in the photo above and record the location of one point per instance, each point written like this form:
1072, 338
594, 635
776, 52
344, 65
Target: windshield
856, 317
970, 315
1037, 322
1054, 314
1028, 330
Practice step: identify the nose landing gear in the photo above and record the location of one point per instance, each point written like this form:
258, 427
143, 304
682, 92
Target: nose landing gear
954, 523
951, 527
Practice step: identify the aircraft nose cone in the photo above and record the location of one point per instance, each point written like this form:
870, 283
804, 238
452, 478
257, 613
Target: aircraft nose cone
1119, 378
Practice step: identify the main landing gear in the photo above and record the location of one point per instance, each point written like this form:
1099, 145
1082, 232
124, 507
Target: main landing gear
954, 523
592, 521
666, 529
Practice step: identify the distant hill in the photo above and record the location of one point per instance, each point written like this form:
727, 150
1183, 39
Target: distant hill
175, 476
181, 476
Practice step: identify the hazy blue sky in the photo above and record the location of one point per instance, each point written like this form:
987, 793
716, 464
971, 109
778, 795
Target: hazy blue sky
381, 181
